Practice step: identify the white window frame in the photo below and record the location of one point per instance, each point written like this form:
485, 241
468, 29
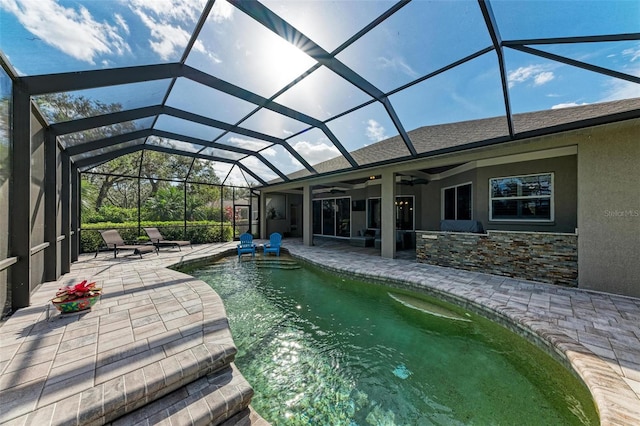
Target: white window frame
551, 198
334, 214
456, 199
367, 211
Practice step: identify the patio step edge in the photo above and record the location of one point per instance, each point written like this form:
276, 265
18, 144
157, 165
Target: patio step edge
211, 399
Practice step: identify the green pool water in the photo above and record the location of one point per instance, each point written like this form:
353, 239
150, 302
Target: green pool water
321, 349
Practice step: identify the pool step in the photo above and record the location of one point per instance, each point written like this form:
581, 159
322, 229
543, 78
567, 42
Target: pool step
277, 263
212, 399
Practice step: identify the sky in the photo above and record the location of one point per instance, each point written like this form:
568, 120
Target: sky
51, 36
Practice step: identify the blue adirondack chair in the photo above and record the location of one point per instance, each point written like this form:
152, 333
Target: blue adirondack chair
273, 246
246, 245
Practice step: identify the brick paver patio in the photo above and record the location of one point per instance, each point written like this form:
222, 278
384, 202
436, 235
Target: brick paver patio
156, 330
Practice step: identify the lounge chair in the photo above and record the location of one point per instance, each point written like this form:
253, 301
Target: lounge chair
273, 246
246, 245
114, 242
158, 240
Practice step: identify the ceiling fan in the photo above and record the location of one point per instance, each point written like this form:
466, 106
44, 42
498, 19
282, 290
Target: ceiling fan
412, 181
331, 190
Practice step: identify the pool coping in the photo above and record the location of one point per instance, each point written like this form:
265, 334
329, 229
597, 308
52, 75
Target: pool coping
153, 334
568, 329
617, 403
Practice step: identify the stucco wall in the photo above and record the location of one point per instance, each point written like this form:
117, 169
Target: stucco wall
432, 200
565, 191
565, 195
604, 195
609, 208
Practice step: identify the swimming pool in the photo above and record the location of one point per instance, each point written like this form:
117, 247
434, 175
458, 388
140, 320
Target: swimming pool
323, 349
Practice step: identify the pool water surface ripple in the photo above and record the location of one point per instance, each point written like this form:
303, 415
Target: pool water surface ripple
322, 349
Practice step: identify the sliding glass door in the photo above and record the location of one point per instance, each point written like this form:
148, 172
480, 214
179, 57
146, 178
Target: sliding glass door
332, 217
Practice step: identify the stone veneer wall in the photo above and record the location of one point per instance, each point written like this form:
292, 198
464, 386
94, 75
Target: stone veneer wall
538, 256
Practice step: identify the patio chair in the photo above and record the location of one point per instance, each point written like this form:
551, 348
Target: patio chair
273, 246
159, 241
246, 245
114, 241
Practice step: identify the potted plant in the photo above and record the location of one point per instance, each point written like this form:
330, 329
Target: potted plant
77, 297
271, 212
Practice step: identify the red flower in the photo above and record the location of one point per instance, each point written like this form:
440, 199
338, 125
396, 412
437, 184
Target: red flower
78, 291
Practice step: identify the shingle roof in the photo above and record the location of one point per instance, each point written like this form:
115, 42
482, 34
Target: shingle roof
463, 135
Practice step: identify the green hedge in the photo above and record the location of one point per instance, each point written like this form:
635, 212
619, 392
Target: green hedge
197, 232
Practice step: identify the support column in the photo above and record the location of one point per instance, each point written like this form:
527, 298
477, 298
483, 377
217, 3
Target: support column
75, 213
20, 203
388, 213
65, 202
50, 207
184, 210
263, 215
307, 215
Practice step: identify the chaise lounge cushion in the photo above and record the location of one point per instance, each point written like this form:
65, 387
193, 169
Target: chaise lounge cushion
159, 241
114, 241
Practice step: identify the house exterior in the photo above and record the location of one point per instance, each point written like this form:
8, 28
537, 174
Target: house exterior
561, 204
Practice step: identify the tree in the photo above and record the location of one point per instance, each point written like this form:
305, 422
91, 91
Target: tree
166, 204
115, 182
59, 107
114, 173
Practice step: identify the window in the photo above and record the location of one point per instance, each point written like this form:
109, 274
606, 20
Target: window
456, 202
332, 217
528, 198
374, 214
328, 217
343, 217
404, 212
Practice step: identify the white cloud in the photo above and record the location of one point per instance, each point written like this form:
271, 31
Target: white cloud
633, 52
316, 153
539, 74
166, 39
614, 90
122, 23
375, 131
269, 152
622, 89
170, 23
568, 105
259, 168
170, 10
542, 78
237, 177
72, 31
397, 64
251, 144
221, 11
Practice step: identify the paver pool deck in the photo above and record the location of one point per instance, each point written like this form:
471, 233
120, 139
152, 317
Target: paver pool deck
157, 327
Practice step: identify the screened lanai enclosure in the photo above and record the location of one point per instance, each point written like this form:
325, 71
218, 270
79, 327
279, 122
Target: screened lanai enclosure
189, 114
